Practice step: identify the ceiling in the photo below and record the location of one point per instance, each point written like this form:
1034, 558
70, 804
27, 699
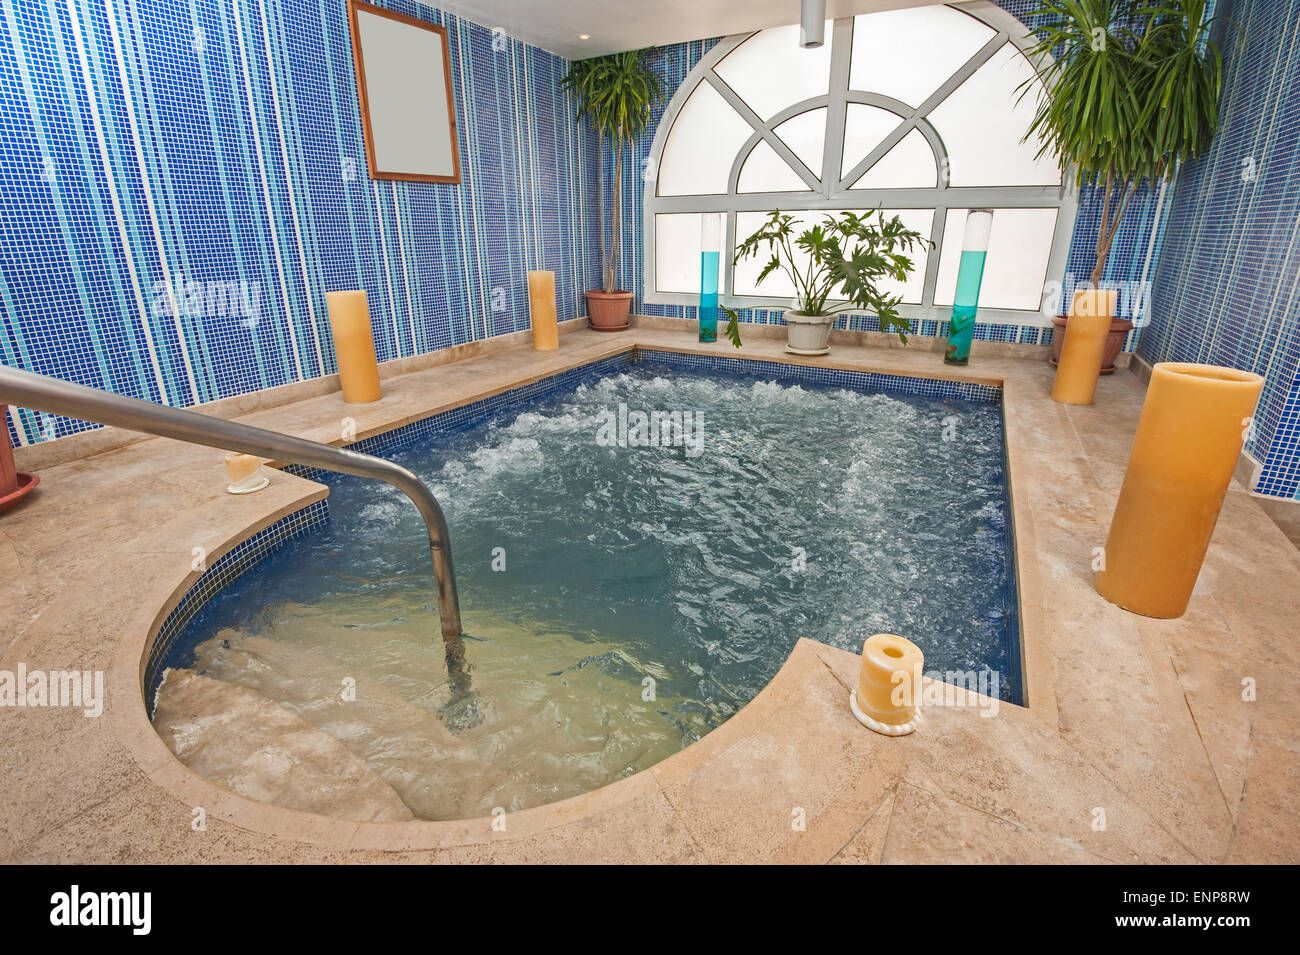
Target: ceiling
615, 25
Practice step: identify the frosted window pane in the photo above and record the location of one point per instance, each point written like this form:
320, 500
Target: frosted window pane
770, 71
908, 54
746, 271
922, 220
702, 145
677, 252
945, 283
864, 128
910, 164
982, 122
1020, 245
805, 134
777, 285
765, 171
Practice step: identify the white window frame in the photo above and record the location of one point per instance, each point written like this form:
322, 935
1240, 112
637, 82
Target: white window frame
831, 191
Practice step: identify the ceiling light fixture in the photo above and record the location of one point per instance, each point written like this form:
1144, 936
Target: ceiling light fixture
584, 36
812, 24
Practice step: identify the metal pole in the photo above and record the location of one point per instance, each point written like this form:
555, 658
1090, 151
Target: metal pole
42, 393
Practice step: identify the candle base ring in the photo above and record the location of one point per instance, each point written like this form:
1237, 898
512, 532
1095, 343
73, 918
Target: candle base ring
884, 729
232, 489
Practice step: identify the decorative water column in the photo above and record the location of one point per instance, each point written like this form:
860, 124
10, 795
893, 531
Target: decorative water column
711, 224
974, 250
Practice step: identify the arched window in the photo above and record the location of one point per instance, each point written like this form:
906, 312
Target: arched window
917, 111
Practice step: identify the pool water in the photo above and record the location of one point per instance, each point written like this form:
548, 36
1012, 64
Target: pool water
621, 599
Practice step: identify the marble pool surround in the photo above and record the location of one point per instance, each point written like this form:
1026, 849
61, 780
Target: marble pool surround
1190, 775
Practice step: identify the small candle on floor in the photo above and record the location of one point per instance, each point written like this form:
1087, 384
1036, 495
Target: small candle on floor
244, 471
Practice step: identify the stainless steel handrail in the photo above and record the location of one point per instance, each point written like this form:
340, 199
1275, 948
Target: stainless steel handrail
42, 393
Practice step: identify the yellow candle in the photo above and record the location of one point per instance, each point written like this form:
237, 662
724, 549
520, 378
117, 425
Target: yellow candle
1190, 434
1085, 341
240, 466
354, 348
541, 305
889, 685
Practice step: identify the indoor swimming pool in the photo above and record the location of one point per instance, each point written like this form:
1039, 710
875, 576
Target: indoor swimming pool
624, 592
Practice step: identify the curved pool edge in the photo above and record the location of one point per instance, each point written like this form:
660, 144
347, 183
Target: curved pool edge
136, 733
165, 770
134, 729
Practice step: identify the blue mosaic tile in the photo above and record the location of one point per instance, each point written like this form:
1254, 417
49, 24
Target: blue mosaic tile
1225, 290
242, 557
154, 144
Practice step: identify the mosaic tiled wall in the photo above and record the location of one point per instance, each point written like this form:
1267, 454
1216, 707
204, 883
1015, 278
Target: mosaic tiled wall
1227, 287
1134, 251
180, 183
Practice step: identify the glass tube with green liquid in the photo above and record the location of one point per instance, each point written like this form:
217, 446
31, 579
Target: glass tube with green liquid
974, 249
710, 254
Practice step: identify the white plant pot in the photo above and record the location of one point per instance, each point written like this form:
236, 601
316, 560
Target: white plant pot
808, 334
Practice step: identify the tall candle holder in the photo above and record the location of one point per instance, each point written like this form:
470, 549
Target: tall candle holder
541, 310
1189, 436
970, 273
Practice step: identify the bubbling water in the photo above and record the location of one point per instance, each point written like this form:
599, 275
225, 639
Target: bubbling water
623, 597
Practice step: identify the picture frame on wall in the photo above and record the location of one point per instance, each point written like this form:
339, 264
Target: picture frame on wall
408, 109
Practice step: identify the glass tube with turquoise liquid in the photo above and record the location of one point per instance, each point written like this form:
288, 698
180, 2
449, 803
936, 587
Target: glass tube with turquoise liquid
710, 255
974, 249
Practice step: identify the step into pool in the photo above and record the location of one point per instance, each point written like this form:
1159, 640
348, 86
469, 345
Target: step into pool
639, 544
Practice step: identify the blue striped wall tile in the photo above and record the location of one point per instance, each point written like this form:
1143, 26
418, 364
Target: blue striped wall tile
149, 144
1226, 289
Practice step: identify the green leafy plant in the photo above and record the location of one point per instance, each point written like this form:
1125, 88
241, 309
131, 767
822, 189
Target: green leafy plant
1133, 89
845, 254
620, 93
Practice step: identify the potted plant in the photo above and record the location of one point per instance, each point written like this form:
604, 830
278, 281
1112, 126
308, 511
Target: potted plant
620, 92
1132, 91
14, 484
848, 253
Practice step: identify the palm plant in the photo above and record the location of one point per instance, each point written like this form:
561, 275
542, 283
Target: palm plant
849, 253
620, 93
1133, 90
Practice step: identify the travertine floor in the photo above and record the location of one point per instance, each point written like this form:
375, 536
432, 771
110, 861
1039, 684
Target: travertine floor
1137, 744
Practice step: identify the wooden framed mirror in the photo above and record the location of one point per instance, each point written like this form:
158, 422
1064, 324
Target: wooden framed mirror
408, 112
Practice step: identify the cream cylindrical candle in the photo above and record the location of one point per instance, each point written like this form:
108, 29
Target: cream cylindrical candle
1189, 437
244, 472
888, 696
354, 347
541, 306
240, 466
1085, 341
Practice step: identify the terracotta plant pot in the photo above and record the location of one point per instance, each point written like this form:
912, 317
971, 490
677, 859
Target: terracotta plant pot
1119, 329
14, 484
608, 311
